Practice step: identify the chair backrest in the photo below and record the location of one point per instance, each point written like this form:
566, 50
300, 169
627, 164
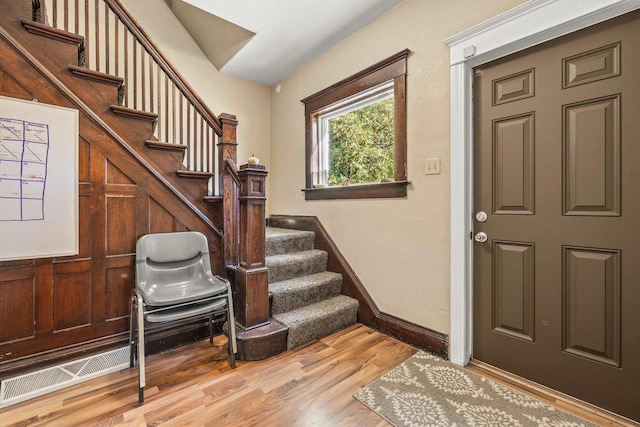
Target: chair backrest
167, 262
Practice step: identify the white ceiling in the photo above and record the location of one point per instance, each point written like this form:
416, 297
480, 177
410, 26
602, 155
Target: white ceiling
288, 33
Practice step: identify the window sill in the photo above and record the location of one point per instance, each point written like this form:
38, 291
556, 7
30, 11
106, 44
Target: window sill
377, 190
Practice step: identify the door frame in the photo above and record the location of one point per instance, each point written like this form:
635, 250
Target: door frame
529, 24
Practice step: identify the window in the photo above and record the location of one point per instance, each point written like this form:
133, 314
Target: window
356, 144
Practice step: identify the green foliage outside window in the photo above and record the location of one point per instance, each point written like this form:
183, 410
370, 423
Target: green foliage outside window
361, 145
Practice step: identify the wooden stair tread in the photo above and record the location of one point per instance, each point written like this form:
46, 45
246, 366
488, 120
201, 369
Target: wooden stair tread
119, 110
194, 174
165, 145
96, 76
52, 33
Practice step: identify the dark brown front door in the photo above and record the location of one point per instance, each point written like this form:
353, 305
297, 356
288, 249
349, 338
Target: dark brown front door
557, 172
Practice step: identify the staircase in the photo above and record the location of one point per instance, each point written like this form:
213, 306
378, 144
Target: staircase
305, 297
145, 165
147, 152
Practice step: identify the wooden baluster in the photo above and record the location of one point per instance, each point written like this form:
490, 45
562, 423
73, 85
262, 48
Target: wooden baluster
97, 34
180, 101
151, 88
173, 111
202, 143
87, 58
159, 106
106, 38
116, 31
76, 22
211, 154
143, 80
65, 13
135, 73
196, 143
55, 14
187, 124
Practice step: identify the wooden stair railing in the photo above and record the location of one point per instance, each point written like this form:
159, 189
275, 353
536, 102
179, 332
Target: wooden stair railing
243, 198
125, 190
114, 44
117, 45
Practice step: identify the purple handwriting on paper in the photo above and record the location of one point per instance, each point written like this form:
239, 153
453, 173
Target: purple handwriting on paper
24, 150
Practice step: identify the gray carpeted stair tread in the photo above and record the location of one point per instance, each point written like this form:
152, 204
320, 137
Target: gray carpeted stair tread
318, 320
288, 266
282, 241
295, 293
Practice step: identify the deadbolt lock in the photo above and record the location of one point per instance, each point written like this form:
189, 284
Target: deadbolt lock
481, 216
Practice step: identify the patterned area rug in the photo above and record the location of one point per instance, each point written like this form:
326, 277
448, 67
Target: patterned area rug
425, 390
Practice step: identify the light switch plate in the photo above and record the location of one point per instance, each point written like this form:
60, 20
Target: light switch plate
432, 166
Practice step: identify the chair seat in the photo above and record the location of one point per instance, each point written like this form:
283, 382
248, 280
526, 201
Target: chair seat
160, 293
183, 312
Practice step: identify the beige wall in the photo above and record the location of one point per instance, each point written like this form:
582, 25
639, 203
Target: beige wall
221, 92
398, 247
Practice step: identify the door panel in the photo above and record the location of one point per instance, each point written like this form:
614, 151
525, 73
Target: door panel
513, 168
591, 145
512, 293
591, 308
556, 149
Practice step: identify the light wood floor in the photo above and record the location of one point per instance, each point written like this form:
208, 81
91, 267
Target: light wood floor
194, 385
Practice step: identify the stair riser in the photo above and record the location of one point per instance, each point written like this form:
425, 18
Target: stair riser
289, 244
60, 53
292, 299
293, 269
313, 329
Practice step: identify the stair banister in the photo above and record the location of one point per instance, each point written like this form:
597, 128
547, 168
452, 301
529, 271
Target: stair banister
133, 26
117, 45
243, 203
152, 84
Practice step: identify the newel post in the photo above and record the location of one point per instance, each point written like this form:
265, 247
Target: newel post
252, 295
227, 146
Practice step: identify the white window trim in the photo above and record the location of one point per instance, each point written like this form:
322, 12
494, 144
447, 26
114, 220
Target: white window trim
529, 24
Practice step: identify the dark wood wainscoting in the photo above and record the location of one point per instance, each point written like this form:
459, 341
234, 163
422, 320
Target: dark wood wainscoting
55, 308
369, 314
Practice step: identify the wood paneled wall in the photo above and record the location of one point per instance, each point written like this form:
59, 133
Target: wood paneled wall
72, 305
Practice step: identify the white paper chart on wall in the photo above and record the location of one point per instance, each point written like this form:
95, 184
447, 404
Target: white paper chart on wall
38, 180
24, 148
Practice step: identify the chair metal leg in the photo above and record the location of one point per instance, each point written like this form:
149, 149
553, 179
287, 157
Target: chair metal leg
231, 321
231, 341
141, 354
132, 326
211, 329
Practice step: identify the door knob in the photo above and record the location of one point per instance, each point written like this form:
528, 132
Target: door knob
481, 216
481, 237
